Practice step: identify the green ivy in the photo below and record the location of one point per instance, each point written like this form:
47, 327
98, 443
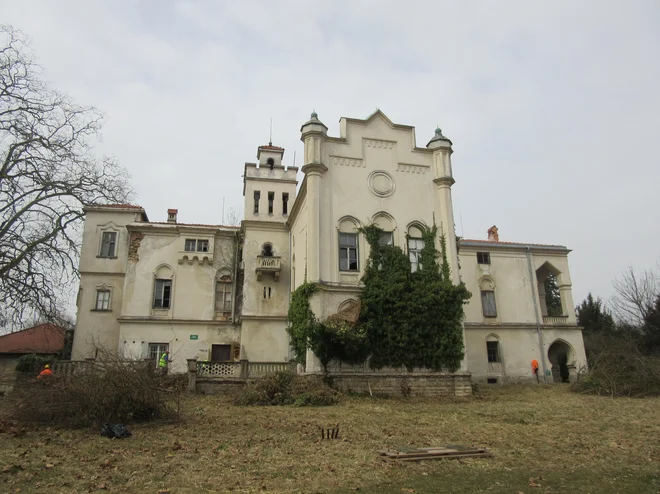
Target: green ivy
406, 319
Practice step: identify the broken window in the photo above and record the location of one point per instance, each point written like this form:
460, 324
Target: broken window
202, 246
190, 245
271, 200
162, 294
285, 203
493, 350
108, 244
386, 238
415, 246
483, 257
348, 252
257, 196
488, 303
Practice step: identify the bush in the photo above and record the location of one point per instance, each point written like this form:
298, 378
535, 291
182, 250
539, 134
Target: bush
287, 388
32, 363
114, 391
619, 368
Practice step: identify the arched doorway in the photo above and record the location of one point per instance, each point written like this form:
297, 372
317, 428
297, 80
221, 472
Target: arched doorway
562, 359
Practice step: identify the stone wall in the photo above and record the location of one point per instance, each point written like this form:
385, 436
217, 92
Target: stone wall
400, 384
218, 386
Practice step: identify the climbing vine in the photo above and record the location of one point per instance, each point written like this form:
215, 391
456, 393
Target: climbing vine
406, 319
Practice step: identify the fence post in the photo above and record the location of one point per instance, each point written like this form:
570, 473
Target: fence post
192, 374
244, 369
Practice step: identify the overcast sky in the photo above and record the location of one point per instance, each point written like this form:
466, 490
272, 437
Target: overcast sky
553, 106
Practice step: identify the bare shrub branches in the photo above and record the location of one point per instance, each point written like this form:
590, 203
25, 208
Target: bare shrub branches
48, 172
635, 296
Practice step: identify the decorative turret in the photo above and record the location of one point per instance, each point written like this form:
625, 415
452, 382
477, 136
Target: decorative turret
313, 134
442, 151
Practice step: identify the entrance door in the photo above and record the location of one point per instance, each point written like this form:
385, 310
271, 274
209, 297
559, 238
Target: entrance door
221, 353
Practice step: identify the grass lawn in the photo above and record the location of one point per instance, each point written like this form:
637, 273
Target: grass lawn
544, 439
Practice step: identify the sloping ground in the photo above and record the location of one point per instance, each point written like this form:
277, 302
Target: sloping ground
540, 436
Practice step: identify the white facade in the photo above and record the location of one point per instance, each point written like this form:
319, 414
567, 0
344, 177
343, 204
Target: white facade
372, 173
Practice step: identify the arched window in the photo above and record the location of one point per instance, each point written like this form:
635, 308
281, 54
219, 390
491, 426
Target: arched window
267, 250
348, 245
223, 291
163, 287
488, 305
385, 222
493, 348
415, 246
549, 295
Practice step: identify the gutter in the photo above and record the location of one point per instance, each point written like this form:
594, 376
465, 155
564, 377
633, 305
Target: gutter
536, 313
236, 269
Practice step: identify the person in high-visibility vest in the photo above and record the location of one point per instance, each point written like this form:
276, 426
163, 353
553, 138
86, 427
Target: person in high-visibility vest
164, 361
45, 372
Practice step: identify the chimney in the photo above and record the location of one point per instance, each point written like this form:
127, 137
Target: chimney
492, 234
171, 215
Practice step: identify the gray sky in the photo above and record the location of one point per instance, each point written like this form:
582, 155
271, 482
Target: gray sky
552, 106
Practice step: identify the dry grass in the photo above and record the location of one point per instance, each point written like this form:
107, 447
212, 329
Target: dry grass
547, 436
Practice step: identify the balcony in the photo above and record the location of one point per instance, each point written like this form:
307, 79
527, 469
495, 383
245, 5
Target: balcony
268, 264
555, 320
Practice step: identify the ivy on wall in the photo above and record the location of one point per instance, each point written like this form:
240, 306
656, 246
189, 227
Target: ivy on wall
406, 319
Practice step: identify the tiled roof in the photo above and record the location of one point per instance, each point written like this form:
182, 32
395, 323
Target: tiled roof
117, 206
43, 339
490, 242
189, 224
270, 146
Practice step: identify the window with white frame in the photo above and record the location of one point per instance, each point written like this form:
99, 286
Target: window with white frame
223, 296
102, 300
108, 244
162, 294
156, 351
488, 303
348, 252
415, 246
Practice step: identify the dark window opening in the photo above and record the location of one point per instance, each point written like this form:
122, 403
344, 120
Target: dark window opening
488, 303
108, 244
257, 196
493, 350
269, 292
162, 294
348, 252
271, 162
267, 251
220, 353
285, 203
483, 257
492, 380
271, 199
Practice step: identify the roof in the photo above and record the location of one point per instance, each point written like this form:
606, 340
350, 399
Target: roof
271, 147
116, 206
44, 338
169, 223
509, 244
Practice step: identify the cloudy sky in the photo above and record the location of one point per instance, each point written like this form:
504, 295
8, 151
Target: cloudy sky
553, 106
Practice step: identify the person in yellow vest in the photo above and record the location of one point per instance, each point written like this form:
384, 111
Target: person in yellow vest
164, 362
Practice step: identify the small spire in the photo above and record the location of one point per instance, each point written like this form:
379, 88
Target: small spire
314, 114
438, 131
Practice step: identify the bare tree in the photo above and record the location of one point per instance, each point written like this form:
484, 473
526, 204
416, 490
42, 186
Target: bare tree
48, 172
234, 217
635, 294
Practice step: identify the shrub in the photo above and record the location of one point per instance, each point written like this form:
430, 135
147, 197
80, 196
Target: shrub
114, 391
287, 388
620, 369
32, 363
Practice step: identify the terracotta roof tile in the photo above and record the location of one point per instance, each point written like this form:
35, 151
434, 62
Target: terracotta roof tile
43, 339
117, 206
188, 224
270, 146
491, 242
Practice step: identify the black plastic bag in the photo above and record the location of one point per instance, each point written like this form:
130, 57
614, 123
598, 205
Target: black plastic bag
115, 430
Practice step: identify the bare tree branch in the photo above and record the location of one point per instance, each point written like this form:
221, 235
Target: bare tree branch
635, 294
48, 173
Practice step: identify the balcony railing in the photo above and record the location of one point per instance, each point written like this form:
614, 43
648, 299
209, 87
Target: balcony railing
555, 320
268, 264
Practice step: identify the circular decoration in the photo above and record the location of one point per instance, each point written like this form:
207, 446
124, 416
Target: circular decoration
381, 183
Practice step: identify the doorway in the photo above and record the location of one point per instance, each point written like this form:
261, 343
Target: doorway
560, 355
220, 353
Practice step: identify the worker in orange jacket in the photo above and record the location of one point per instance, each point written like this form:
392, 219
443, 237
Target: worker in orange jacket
45, 372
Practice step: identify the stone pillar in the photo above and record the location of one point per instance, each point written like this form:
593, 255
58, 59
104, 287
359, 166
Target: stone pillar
192, 375
245, 368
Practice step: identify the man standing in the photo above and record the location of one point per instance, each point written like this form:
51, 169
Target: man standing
164, 362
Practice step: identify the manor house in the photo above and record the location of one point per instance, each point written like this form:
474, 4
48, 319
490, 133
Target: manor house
221, 293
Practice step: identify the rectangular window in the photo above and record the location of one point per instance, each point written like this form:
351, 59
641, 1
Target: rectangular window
285, 203
156, 351
220, 353
483, 257
108, 244
190, 245
415, 246
348, 252
202, 246
386, 238
102, 300
488, 303
493, 350
271, 200
223, 296
162, 294
257, 196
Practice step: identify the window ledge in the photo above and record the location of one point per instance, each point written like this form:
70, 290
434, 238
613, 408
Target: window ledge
106, 257
101, 310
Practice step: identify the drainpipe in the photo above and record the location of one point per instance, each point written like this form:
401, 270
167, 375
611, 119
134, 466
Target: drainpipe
536, 313
236, 270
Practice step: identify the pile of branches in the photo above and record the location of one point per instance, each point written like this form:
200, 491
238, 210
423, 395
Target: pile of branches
109, 392
620, 368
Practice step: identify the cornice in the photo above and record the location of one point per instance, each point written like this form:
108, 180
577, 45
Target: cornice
264, 225
444, 181
161, 320
314, 167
